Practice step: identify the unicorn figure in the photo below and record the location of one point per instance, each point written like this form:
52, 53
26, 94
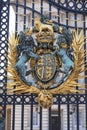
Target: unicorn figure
64, 51
68, 64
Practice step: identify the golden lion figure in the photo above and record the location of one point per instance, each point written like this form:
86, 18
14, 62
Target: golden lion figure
40, 26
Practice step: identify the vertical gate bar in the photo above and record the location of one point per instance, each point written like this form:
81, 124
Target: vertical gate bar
75, 17
16, 18
41, 7
77, 116
68, 117
58, 1
16, 24
50, 11
31, 125
13, 116
67, 19
66, 13
59, 113
0, 14
5, 92
40, 118
50, 119
24, 14
77, 113
4, 108
68, 107
58, 15
66, 3
33, 12
8, 23
86, 109
68, 113
84, 25
22, 113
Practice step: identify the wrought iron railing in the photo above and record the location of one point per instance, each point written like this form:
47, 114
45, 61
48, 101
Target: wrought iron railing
77, 8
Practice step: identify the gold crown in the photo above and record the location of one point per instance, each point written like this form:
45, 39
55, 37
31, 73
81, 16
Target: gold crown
44, 36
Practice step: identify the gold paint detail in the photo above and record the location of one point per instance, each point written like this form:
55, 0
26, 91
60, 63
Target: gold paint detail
45, 32
44, 36
60, 30
69, 86
13, 77
40, 62
40, 26
45, 99
29, 31
46, 67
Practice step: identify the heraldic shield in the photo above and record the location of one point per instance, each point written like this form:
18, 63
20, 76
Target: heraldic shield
45, 60
46, 67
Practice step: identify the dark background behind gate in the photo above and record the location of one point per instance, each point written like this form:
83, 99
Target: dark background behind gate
77, 8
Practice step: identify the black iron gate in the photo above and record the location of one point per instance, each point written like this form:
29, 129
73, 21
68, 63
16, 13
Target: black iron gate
21, 112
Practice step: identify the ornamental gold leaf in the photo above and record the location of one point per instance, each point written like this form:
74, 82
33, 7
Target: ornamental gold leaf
69, 86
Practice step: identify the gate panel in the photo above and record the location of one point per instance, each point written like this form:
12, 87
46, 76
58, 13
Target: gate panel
22, 110
4, 24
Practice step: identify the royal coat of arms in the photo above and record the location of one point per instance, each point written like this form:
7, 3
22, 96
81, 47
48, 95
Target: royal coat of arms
46, 59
